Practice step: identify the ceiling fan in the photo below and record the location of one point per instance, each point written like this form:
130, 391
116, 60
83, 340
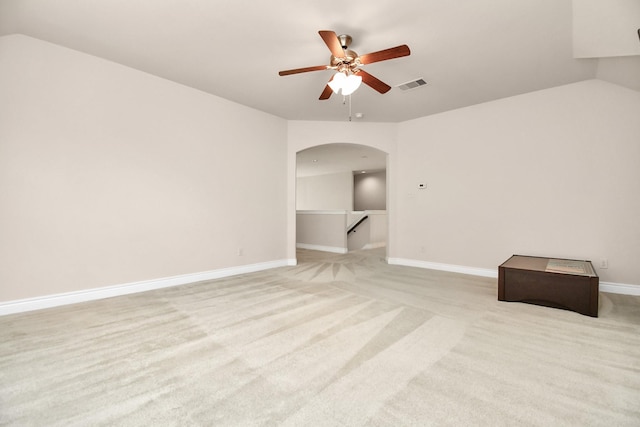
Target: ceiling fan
348, 63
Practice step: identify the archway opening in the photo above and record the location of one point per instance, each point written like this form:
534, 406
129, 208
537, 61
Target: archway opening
341, 198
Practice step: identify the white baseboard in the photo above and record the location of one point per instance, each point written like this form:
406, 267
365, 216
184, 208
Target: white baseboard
333, 249
48, 301
374, 245
484, 272
619, 288
614, 288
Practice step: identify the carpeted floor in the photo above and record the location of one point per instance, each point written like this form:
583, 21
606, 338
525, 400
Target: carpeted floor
337, 340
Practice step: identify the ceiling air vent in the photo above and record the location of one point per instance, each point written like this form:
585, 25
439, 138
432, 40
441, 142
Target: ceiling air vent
412, 84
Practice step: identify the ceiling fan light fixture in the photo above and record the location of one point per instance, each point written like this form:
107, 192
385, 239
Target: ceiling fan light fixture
350, 84
337, 81
347, 83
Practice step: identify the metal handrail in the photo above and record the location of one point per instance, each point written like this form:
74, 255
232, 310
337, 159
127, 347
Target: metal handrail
354, 226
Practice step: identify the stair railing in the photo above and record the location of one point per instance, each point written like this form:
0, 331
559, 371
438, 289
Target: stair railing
354, 226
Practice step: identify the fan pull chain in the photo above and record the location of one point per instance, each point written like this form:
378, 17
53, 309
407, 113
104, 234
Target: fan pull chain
344, 101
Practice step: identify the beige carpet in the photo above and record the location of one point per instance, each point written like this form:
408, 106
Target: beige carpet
337, 340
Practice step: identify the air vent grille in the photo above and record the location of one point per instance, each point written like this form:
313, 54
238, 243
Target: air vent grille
412, 84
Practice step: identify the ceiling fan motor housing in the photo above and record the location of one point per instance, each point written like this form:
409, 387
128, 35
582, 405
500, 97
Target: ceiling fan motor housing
345, 40
348, 62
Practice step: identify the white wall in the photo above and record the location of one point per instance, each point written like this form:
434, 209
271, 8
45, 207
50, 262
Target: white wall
370, 191
378, 230
621, 70
322, 230
551, 173
371, 233
325, 192
360, 237
605, 28
109, 175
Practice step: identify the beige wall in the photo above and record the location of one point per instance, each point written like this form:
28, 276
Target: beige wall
370, 191
605, 28
109, 175
621, 70
322, 230
553, 173
371, 233
325, 192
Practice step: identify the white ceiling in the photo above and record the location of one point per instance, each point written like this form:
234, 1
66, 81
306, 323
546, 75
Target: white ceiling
468, 51
337, 158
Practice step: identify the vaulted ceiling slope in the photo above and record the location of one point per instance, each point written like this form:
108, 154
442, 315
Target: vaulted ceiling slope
468, 51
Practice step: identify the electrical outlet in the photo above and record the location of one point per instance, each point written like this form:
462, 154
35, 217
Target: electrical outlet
604, 263
240, 251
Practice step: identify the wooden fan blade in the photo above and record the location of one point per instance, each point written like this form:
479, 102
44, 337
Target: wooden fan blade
326, 93
383, 55
376, 84
331, 40
303, 70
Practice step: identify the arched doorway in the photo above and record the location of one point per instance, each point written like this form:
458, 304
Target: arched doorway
306, 134
341, 197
